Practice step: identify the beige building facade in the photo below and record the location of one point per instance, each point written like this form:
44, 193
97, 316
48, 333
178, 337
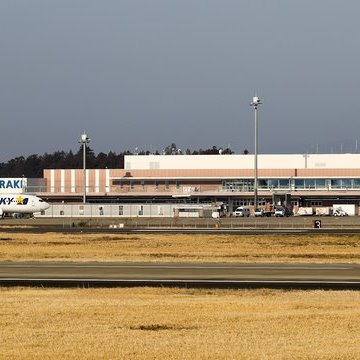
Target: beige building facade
306, 180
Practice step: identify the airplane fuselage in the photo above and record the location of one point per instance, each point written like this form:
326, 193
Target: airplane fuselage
21, 203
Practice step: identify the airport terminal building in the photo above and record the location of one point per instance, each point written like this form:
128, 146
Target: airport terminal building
304, 180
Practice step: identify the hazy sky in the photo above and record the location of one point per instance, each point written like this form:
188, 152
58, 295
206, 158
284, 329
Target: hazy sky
145, 73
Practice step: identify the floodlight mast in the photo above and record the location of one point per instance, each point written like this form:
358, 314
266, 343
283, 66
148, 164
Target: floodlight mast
255, 103
84, 140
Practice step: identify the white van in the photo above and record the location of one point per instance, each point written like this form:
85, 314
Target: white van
242, 212
281, 211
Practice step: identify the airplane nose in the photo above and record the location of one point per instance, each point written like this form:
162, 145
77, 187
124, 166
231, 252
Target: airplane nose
45, 206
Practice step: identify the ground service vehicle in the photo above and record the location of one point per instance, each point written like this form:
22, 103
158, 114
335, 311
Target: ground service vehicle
339, 212
348, 209
242, 212
258, 212
281, 211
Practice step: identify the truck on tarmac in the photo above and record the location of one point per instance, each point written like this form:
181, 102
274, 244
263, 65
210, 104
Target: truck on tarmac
242, 211
282, 211
343, 209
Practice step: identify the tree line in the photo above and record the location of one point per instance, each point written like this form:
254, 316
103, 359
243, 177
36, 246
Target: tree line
33, 165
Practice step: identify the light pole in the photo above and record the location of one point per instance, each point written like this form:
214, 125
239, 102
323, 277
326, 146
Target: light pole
84, 140
255, 103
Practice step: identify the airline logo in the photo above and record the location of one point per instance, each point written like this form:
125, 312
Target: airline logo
21, 201
12, 185
7, 200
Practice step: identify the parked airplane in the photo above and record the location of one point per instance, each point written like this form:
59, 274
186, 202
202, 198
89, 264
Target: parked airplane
21, 204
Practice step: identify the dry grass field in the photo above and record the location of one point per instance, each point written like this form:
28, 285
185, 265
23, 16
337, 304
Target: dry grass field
163, 247
144, 323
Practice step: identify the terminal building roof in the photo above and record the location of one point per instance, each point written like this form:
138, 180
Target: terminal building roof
265, 161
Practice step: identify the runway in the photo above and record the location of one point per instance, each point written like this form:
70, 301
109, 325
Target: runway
218, 275
272, 225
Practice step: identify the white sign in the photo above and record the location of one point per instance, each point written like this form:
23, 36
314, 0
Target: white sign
12, 185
